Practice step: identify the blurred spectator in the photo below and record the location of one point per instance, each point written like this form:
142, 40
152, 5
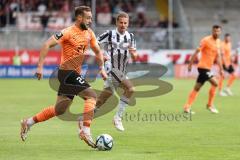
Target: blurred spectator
103, 7
44, 15
16, 59
159, 35
163, 22
65, 10
106, 11
13, 8
141, 20
140, 7
117, 8
3, 18
127, 7
104, 17
44, 21
65, 7
42, 7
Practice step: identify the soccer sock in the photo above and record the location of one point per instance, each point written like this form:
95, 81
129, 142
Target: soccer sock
211, 97
220, 83
192, 96
231, 79
121, 106
30, 122
45, 114
88, 112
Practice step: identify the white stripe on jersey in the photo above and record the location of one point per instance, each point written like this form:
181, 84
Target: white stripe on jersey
116, 47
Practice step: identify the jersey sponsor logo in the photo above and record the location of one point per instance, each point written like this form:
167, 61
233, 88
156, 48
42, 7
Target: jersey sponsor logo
58, 35
209, 74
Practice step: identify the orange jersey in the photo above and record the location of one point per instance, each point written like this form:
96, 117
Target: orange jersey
209, 50
74, 43
226, 49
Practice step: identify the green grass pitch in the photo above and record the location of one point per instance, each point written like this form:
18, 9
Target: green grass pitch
205, 137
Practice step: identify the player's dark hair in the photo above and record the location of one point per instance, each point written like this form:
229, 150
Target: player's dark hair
81, 9
216, 27
227, 35
122, 14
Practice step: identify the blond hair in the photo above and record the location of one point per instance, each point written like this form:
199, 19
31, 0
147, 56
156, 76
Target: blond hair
122, 15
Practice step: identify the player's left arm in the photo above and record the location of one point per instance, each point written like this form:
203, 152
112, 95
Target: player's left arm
221, 52
99, 56
132, 48
219, 59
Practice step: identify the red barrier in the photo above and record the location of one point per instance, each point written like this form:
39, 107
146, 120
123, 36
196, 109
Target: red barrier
29, 57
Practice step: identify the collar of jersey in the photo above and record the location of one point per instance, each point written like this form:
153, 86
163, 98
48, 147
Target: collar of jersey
120, 33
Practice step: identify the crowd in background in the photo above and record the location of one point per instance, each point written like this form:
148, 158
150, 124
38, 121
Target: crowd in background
106, 11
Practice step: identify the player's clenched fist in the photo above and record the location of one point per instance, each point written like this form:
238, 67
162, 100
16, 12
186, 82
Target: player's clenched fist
103, 73
39, 72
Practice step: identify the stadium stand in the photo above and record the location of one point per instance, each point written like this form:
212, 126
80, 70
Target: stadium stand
205, 13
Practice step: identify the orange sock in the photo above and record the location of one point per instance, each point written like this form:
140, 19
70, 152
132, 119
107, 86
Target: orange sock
220, 83
45, 114
231, 79
211, 97
192, 96
89, 106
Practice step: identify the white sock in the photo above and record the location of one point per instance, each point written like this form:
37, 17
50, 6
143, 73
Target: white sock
121, 106
30, 122
86, 130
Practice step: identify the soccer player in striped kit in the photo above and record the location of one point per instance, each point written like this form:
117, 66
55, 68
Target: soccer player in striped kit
119, 46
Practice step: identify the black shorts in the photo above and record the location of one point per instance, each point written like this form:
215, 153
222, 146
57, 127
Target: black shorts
71, 83
204, 75
228, 69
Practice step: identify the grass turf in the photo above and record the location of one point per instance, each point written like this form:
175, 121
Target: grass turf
204, 136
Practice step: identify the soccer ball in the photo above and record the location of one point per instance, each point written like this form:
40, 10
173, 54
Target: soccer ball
104, 142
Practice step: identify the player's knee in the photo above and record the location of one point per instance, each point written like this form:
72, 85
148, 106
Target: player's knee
60, 110
102, 99
215, 84
100, 102
130, 90
197, 88
92, 95
62, 105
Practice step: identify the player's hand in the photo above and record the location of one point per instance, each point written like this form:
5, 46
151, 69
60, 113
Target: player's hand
39, 72
189, 68
103, 74
133, 53
131, 49
105, 58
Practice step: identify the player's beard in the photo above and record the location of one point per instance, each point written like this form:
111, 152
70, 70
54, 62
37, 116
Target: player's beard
83, 26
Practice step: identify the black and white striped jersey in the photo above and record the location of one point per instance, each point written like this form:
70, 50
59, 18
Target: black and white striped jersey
116, 48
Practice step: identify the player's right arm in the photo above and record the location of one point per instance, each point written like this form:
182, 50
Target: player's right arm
192, 59
99, 56
51, 42
203, 44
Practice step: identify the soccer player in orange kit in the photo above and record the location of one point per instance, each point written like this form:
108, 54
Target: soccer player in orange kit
227, 66
74, 41
210, 47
